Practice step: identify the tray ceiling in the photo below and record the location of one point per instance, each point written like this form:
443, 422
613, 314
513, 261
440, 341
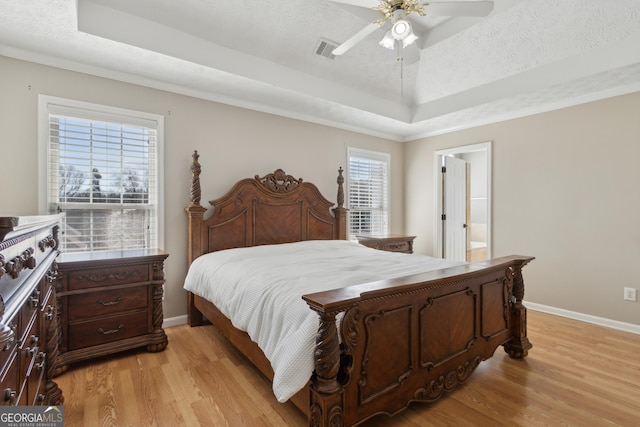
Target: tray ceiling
525, 57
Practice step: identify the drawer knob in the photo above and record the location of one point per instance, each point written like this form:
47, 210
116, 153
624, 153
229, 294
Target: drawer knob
7, 336
49, 314
9, 343
111, 331
106, 304
9, 396
42, 356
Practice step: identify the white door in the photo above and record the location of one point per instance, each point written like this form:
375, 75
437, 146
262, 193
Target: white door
454, 203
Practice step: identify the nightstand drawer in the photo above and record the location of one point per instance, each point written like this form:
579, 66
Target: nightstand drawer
106, 303
396, 247
102, 331
119, 275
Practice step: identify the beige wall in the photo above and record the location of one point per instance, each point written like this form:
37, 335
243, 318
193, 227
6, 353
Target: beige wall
565, 190
564, 183
234, 143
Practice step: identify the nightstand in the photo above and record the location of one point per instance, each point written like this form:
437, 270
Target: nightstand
388, 242
109, 302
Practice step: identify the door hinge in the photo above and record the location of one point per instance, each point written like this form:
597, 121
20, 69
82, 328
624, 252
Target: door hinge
443, 217
444, 169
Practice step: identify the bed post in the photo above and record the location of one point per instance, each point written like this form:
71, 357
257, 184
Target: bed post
340, 211
518, 346
326, 397
195, 214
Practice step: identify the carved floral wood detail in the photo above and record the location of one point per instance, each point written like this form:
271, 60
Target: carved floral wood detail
279, 181
157, 315
444, 383
519, 345
195, 191
327, 355
118, 275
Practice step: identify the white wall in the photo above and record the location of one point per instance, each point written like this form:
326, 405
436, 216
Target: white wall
234, 143
566, 189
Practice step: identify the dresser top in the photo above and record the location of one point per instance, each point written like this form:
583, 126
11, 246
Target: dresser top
11, 226
129, 254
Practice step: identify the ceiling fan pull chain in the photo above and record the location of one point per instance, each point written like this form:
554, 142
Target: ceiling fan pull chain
401, 78
401, 59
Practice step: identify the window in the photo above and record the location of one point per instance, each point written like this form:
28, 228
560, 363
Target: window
102, 171
368, 192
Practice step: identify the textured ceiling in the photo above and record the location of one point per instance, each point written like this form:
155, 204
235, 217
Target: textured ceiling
525, 57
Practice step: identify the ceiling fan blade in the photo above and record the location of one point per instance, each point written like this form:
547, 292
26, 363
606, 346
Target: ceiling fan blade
366, 14
361, 3
459, 8
356, 38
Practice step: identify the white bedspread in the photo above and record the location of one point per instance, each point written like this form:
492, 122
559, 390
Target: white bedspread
260, 288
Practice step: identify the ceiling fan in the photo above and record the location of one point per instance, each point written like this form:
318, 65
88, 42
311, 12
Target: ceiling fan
397, 11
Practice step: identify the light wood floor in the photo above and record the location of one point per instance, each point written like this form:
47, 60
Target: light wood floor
577, 374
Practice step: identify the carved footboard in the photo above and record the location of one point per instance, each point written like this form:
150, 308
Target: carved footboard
412, 338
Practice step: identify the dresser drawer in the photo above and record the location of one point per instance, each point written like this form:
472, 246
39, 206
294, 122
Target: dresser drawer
102, 331
118, 275
107, 302
34, 383
28, 313
9, 382
8, 351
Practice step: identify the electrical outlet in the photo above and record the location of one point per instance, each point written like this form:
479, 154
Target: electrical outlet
630, 294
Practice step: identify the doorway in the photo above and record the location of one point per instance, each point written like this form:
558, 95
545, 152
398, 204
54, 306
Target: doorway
463, 223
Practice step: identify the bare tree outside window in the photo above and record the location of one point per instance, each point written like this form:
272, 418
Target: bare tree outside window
104, 176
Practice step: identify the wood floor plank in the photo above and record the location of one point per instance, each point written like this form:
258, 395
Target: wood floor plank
576, 374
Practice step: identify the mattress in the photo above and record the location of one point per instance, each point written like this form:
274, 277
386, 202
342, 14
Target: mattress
260, 290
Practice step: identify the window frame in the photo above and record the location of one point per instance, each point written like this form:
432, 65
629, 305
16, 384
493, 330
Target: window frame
48, 105
377, 156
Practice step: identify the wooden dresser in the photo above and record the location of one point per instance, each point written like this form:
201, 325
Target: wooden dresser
388, 242
109, 302
28, 328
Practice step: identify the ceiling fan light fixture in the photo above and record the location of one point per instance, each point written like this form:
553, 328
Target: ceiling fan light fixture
388, 41
409, 39
401, 29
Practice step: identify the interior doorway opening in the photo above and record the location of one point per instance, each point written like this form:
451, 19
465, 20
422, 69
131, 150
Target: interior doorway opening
469, 238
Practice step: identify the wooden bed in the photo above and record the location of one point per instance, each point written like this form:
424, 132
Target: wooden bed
402, 340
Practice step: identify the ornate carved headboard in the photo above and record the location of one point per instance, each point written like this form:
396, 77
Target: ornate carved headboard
275, 208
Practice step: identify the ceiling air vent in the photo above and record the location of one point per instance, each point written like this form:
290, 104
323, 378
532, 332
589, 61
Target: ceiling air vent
325, 47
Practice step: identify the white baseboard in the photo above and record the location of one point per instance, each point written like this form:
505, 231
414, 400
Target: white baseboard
614, 324
174, 321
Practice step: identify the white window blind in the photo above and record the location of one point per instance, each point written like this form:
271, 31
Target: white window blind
102, 172
368, 192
